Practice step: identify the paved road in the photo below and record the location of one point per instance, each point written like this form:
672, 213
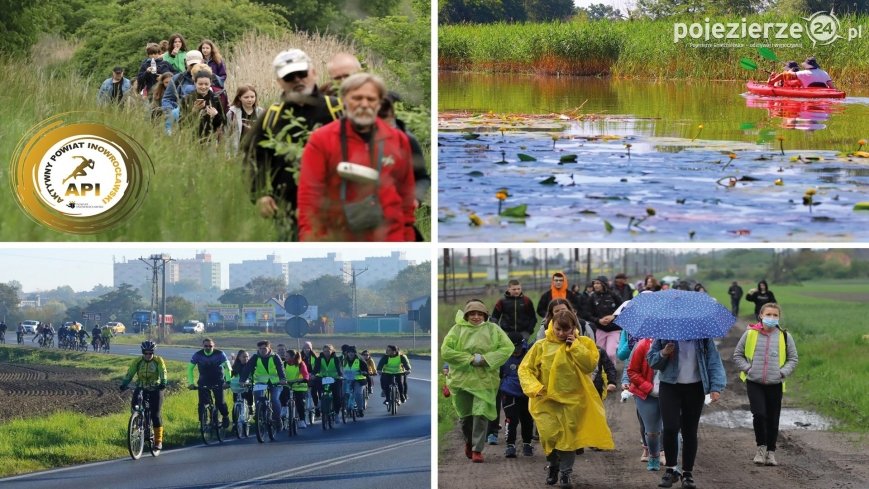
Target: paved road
379, 450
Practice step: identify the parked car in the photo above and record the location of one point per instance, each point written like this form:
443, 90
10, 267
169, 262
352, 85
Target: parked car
117, 327
30, 326
194, 326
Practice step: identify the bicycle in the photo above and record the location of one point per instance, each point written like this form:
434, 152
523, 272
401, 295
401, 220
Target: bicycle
310, 410
139, 428
105, 345
20, 337
263, 412
97, 344
209, 421
83, 345
2, 337
393, 395
327, 411
240, 414
350, 407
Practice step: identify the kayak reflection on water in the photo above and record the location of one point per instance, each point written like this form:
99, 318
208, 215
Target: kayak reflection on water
805, 115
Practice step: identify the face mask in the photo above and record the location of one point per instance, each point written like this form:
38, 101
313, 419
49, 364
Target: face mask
770, 322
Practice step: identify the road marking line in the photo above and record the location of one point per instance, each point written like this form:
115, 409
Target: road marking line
263, 479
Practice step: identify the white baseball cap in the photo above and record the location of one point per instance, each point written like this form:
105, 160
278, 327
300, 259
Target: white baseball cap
193, 57
291, 61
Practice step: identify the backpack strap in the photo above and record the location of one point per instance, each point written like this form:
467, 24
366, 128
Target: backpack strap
272, 115
336, 110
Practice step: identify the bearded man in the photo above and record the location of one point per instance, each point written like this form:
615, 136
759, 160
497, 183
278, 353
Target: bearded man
356, 181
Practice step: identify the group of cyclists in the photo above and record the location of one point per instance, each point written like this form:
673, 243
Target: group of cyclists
70, 336
286, 374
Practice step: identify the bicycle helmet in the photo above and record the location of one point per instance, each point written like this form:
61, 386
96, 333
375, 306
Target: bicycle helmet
148, 345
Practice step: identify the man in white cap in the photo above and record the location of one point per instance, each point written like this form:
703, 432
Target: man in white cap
272, 177
182, 84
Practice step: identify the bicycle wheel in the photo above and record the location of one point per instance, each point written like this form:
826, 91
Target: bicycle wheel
344, 408
149, 435
215, 423
325, 410
270, 425
393, 404
135, 435
262, 417
205, 427
238, 418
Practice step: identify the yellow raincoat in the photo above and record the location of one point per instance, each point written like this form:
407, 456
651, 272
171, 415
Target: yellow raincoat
570, 414
458, 349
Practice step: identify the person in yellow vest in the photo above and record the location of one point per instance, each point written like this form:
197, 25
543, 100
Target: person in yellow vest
329, 365
372, 369
394, 365
266, 367
296, 371
355, 375
107, 335
150, 371
765, 355
474, 350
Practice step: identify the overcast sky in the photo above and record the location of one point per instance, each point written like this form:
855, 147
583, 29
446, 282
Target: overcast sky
42, 266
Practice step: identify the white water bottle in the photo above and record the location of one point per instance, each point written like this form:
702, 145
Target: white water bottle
154, 66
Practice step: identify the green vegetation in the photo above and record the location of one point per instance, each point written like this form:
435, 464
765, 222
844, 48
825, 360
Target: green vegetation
447, 417
58, 439
639, 48
827, 320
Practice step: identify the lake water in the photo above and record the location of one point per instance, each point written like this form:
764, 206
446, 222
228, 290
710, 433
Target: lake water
608, 150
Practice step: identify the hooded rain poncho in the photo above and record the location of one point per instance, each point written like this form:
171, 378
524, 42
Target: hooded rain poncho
458, 349
570, 415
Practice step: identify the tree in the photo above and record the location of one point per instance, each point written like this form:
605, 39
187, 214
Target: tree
121, 302
425, 316
264, 288
600, 11
180, 308
548, 10
330, 293
238, 295
8, 300
413, 281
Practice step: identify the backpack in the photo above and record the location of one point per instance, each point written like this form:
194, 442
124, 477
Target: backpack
274, 112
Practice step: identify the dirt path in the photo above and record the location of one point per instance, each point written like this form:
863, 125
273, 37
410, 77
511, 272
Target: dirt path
33, 390
808, 459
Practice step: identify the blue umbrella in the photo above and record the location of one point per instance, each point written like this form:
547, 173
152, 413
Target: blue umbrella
675, 315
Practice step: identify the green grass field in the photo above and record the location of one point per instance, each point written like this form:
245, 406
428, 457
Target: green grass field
68, 437
633, 49
827, 320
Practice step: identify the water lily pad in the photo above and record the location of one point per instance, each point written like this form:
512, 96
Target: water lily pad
608, 226
470, 136
525, 157
861, 206
475, 173
548, 181
517, 211
567, 159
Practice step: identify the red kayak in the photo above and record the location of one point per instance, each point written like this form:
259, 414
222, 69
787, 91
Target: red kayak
764, 89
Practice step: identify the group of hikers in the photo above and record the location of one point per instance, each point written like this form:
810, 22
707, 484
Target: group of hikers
806, 75
353, 172
551, 377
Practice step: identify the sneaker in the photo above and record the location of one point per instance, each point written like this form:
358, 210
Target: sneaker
654, 464
158, 446
551, 475
468, 450
477, 457
360, 413
760, 456
492, 439
511, 451
403, 399
645, 456
688, 480
527, 449
670, 477
770, 458
225, 423
302, 424
579, 451
565, 480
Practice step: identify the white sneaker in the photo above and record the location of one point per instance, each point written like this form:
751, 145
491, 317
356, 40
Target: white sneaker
302, 424
760, 457
770, 459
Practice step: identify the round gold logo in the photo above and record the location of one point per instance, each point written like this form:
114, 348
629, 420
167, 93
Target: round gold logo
77, 176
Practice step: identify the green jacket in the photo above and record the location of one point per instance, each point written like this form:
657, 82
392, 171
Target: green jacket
458, 349
176, 61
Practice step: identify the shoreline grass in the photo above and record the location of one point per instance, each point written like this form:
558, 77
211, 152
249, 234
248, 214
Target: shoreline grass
829, 335
635, 49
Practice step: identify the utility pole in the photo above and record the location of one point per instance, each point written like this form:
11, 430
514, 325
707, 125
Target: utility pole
157, 263
353, 274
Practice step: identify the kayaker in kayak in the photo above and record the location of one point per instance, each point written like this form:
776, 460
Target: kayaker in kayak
787, 78
813, 76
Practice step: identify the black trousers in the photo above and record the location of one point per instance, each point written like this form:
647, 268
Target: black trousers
155, 400
516, 413
219, 401
734, 306
765, 401
681, 406
495, 424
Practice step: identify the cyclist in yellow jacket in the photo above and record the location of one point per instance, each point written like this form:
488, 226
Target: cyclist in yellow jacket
391, 365
150, 371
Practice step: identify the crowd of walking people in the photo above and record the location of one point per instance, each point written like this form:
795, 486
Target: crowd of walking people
551, 377
329, 162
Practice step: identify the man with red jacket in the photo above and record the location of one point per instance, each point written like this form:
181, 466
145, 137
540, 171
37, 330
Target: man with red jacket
356, 181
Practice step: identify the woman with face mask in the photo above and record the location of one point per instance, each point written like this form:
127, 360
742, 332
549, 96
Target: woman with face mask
765, 355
